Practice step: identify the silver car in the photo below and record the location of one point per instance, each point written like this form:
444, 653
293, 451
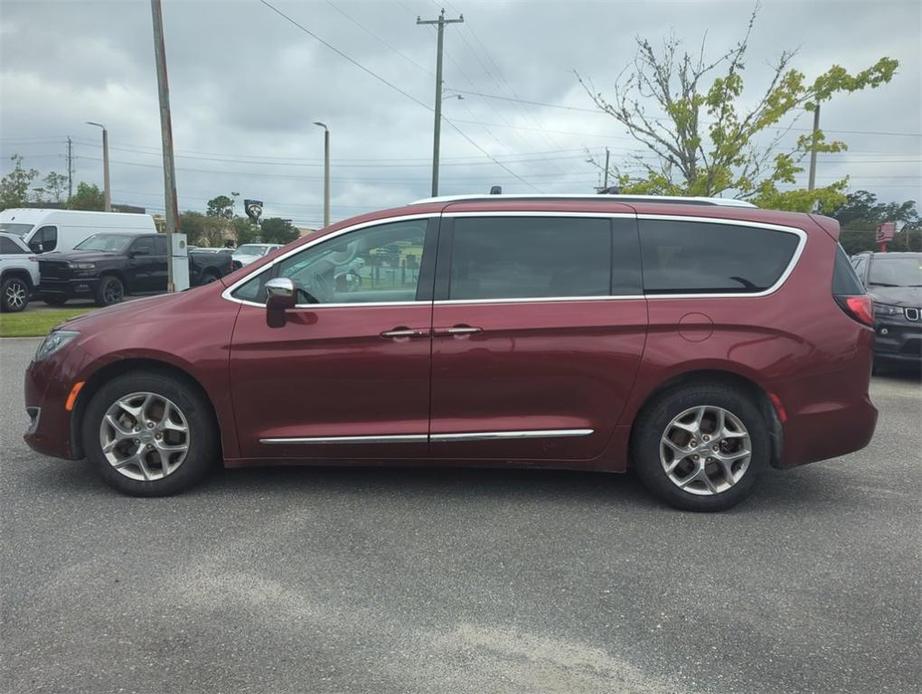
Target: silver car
249, 252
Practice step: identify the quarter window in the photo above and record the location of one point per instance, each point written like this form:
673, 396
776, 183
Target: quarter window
684, 257
376, 264
530, 257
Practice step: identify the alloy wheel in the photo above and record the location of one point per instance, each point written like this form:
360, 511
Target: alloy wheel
144, 436
112, 292
705, 450
15, 295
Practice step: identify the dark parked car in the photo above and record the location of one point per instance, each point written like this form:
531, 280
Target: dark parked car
697, 341
894, 281
107, 267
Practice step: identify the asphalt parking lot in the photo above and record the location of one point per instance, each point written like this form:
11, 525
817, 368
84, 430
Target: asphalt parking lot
397, 580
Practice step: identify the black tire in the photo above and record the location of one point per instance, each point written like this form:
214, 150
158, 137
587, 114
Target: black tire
203, 445
652, 426
55, 300
209, 276
14, 294
111, 290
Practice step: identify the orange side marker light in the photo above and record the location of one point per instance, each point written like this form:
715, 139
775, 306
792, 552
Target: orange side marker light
74, 392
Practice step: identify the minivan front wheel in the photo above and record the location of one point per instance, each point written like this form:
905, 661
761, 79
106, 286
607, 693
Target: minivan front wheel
149, 434
701, 448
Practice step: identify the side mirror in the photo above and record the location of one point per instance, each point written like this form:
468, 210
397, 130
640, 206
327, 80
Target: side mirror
280, 294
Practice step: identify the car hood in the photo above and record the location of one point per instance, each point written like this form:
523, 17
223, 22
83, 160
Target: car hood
78, 256
906, 297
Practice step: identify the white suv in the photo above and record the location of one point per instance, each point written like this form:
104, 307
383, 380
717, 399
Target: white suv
18, 273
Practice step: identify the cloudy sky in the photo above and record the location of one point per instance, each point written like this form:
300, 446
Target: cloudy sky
247, 84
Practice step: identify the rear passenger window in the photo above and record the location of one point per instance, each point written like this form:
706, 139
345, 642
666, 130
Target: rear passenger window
681, 257
529, 257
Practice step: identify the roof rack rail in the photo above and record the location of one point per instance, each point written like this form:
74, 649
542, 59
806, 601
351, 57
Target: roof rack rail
723, 202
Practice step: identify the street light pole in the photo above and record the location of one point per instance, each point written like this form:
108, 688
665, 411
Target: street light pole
107, 192
326, 173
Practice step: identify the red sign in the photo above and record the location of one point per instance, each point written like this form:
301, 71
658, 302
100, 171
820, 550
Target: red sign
885, 232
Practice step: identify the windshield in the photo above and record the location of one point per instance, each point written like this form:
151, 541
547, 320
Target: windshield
251, 249
104, 242
18, 229
904, 271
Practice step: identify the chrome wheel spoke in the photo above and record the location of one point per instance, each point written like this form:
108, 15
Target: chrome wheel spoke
159, 427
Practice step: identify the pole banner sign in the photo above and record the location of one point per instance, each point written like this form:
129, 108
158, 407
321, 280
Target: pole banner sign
886, 231
254, 209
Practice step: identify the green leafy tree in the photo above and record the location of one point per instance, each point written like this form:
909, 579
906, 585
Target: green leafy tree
706, 138
202, 230
278, 230
861, 214
87, 197
220, 206
245, 231
14, 187
55, 184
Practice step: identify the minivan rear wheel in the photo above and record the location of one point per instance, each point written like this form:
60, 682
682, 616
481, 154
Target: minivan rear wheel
149, 434
701, 447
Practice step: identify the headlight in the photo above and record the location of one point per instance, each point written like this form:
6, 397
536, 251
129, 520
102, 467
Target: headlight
53, 342
83, 266
887, 310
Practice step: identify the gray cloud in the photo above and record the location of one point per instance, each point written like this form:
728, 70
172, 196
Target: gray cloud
246, 86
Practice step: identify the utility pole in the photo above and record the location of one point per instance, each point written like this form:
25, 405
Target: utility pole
107, 191
816, 128
70, 168
326, 173
166, 134
605, 179
440, 22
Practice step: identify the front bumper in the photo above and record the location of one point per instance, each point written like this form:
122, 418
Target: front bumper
47, 385
78, 288
897, 338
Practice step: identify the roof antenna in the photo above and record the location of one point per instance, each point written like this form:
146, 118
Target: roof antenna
496, 190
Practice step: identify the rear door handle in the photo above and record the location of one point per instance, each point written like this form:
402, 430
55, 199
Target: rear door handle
458, 330
403, 332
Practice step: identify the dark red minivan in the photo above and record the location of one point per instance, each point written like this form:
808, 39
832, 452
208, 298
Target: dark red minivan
694, 340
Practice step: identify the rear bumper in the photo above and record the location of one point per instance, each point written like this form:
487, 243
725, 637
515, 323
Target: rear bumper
827, 431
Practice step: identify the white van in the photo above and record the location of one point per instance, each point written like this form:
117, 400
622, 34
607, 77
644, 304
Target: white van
46, 230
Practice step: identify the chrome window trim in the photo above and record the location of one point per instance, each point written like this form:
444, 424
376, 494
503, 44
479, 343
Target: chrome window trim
795, 258
540, 299
412, 438
226, 294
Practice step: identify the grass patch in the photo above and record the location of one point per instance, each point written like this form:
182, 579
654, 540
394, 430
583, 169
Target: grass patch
36, 323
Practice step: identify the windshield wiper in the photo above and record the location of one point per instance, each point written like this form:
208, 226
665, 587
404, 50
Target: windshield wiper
882, 284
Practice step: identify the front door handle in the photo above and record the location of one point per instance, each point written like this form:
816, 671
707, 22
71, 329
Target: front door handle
404, 332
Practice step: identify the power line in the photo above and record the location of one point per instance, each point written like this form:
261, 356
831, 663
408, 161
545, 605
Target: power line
394, 87
378, 38
599, 112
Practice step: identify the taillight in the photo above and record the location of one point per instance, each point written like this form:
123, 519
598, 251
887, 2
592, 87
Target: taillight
858, 307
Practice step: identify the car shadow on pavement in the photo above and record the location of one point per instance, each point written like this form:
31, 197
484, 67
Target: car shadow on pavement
806, 487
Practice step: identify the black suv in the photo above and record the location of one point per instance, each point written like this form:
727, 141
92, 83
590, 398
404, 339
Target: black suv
107, 267
894, 281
